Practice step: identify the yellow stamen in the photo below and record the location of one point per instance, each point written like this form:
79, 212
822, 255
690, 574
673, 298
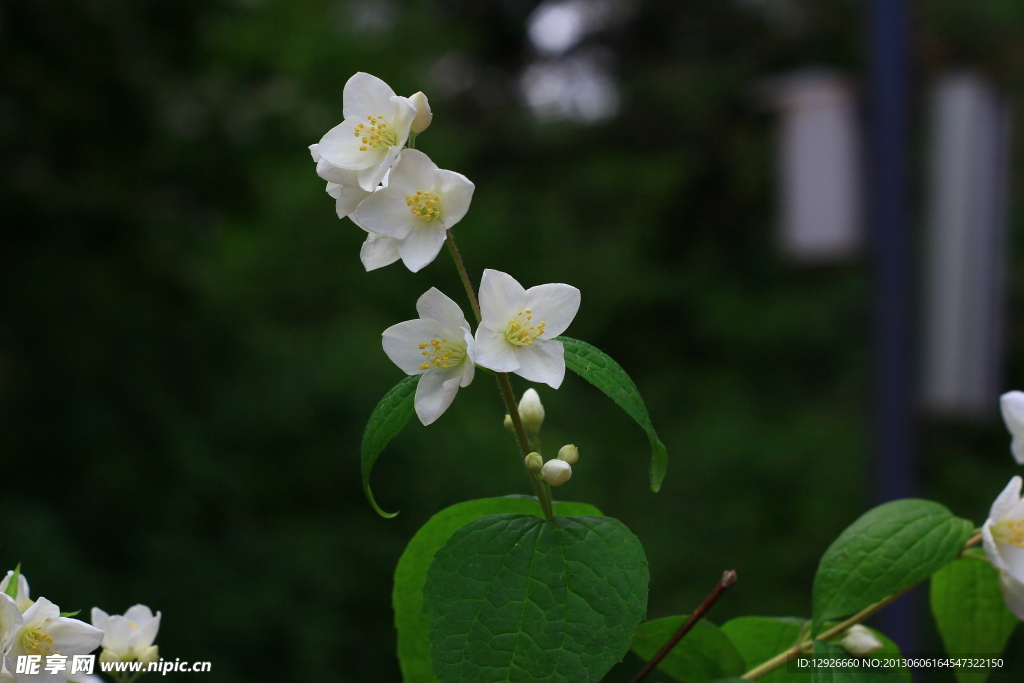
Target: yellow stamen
424, 205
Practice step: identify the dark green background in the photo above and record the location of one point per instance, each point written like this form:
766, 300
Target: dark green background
189, 347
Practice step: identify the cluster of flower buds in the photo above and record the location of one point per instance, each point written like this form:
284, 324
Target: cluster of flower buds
38, 628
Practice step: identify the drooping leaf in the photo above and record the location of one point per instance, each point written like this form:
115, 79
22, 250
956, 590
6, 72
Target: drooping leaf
703, 654
849, 674
604, 373
890, 548
970, 613
411, 573
516, 597
758, 639
388, 418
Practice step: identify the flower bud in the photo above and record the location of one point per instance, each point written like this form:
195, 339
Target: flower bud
531, 411
859, 640
556, 472
423, 115
534, 462
508, 423
569, 453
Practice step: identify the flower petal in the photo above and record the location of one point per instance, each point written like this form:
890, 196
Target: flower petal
456, 193
400, 118
1012, 405
402, 343
11, 621
555, 305
433, 304
365, 94
340, 147
543, 361
348, 199
1013, 557
500, 294
146, 634
378, 251
413, 171
385, 214
334, 174
73, 637
1006, 500
435, 392
421, 246
494, 352
1013, 594
372, 176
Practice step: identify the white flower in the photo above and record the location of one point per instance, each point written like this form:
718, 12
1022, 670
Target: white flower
423, 115
11, 622
129, 637
439, 345
1003, 531
44, 632
1013, 594
374, 131
22, 599
518, 325
531, 411
556, 472
419, 204
860, 640
378, 251
1012, 404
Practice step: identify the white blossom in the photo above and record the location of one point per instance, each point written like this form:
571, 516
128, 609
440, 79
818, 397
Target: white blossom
11, 622
1012, 404
128, 637
439, 345
375, 129
44, 632
1003, 531
419, 204
860, 640
423, 114
556, 472
518, 326
1013, 594
21, 599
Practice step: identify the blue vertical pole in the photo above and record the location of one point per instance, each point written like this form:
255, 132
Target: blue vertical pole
892, 350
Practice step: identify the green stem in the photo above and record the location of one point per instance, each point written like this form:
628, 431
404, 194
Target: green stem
783, 657
540, 487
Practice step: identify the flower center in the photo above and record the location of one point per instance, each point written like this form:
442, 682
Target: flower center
521, 329
441, 354
37, 642
1009, 532
425, 205
375, 134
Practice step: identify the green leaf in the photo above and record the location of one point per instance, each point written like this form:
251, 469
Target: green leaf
388, 418
515, 597
407, 599
703, 654
850, 674
12, 585
892, 547
758, 639
604, 373
71, 614
970, 612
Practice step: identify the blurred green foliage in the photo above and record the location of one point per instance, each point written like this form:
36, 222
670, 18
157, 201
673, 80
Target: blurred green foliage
189, 347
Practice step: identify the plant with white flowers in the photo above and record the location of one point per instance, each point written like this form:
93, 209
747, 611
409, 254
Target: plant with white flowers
530, 589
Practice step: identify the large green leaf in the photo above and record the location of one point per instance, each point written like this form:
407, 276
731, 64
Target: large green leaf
891, 547
388, 418
407, 597
519, 598
604, 373
758, 639
703, 654
970, 612
849, 674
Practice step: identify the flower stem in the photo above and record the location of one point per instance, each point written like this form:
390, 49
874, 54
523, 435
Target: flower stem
728, 579
783, 657
540, 487
461, 267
